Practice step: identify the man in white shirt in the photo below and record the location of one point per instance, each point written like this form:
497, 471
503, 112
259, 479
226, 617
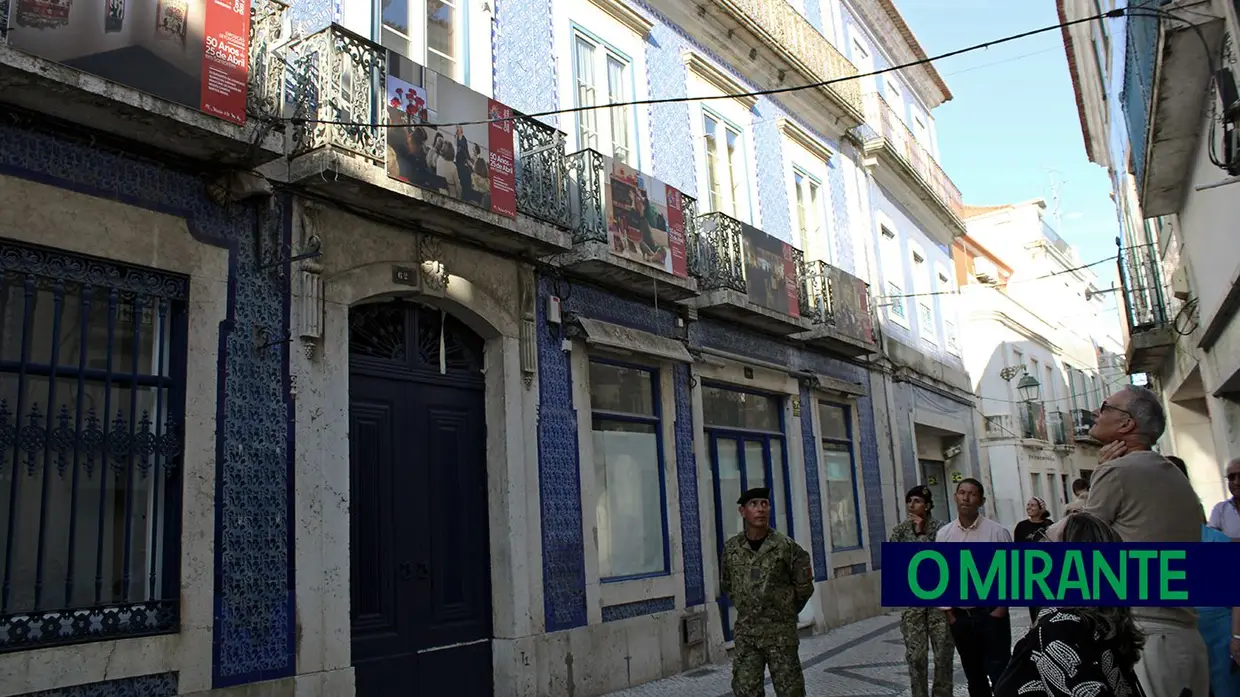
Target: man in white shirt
1226, 514
983, 635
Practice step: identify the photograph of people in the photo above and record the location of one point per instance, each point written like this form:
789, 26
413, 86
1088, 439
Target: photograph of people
638, 224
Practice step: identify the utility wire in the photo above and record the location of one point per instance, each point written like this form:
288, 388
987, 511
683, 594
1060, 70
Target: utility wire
1005, 285
1119, 12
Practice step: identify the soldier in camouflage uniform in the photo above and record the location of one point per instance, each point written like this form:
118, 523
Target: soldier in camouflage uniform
923, 627
767, 578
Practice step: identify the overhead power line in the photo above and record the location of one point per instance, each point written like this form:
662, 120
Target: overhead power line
1019, 280
1119, 12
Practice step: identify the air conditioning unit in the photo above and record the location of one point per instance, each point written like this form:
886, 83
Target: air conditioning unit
985, 271
1179, 283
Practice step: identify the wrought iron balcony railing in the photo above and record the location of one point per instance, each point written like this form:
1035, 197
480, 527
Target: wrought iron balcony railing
1058, 422
719, 258
885, 123
1033, 420
340, 102
1082, 422
787, 29
265, 93
1140, 277
837, 298
587, 174
1000, 426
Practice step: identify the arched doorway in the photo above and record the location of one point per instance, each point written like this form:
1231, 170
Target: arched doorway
418, 522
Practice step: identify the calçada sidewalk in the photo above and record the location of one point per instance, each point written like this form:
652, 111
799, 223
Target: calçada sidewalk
863, 659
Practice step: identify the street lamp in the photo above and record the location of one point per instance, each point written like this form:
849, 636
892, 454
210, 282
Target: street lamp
1029, 388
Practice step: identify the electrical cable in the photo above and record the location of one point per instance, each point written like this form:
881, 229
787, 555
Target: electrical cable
1019, 280
1119, 12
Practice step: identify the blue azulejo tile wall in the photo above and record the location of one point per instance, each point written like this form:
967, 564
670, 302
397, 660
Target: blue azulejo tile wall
158, 685
813, 492
253, 603
524, 63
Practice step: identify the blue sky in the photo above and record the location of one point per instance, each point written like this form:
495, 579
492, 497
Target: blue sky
1012, 127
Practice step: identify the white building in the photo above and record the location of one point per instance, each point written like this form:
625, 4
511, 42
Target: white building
1152, 113
1038, 352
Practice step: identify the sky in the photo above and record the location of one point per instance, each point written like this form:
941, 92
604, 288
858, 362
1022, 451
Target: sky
1011, 133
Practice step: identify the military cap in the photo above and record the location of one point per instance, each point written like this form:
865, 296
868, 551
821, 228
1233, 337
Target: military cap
921, 491
758, 493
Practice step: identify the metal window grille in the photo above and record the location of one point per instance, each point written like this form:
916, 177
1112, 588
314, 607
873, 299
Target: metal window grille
92, 376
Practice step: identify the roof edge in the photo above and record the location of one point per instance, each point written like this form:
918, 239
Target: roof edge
1070, 50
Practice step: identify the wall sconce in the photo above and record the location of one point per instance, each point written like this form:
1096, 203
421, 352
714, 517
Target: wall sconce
1028, 387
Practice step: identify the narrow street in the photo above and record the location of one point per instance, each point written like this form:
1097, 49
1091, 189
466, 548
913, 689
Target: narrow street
863, 659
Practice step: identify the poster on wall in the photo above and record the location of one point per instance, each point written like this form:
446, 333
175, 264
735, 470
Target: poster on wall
192, 52
850, 304
770, 272
645, 219
471, 163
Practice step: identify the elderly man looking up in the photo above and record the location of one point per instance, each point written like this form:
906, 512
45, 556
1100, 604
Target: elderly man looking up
1226, 514
1145, 498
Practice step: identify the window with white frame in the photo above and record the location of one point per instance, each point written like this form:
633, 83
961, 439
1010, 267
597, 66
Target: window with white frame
430, 32
726, 173
890, 248
947, 305
808, 203
925, 299
628, 470
603, 75
843, 500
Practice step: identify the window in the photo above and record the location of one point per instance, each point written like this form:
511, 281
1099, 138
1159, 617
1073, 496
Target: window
953, 339
599, 69
436, 39
844, 516
1072, 396
808, 207
725, 167
628, 471
92, 377
925, 300
890, 251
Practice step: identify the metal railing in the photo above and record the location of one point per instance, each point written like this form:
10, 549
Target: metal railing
1033, 420
885, 123
1058, 423
837, 298
1000, 426
542, 172
1140, 277
92, 397
786, 28
719, 261
1082, 422
265, 93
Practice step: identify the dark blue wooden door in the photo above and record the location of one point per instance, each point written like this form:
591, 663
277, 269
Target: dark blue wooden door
420, 554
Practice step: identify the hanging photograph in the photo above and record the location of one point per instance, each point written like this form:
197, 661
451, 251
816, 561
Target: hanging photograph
770, 272
42, 14
114, 20
472, 163
849, 305
645, 220
191, 52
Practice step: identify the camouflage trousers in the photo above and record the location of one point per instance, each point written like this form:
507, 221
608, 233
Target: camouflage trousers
749, 666
924, 627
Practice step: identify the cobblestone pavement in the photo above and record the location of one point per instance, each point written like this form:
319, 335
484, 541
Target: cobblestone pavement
863, 659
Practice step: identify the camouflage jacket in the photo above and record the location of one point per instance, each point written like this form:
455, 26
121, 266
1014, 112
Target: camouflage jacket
768, 588
906, 532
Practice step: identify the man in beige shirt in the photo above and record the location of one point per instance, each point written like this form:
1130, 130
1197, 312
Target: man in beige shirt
1144, 498
983, 635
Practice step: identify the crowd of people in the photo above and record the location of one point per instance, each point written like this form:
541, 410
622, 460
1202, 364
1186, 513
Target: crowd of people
1135, 495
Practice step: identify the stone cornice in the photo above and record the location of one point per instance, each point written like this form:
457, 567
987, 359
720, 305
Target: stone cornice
622, 13
801, 137
703, 68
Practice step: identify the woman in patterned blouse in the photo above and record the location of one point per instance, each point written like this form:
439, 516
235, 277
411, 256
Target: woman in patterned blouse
1079, 650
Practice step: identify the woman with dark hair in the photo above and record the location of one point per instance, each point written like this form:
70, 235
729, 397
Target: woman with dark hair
924, 627
1033, 529
1078, 650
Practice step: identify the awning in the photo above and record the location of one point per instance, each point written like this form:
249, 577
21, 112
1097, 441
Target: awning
830, 384
614, 336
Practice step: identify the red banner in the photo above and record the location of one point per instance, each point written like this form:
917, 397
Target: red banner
676, 231
225, 58
790, 283
502, 160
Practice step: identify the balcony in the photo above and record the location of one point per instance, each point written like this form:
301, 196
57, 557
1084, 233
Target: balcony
999, 426
1058, 424
908, 171
775, 45
748, 277
342, 147
1032, 416
1082, 422
840, 309
629, 229
1166, 88
53, 64
1151, 336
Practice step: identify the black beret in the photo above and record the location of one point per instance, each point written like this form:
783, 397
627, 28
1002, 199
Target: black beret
921, 491
758, 493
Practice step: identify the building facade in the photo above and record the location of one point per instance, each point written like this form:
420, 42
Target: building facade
1038, 351
387, 361
1158, 109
